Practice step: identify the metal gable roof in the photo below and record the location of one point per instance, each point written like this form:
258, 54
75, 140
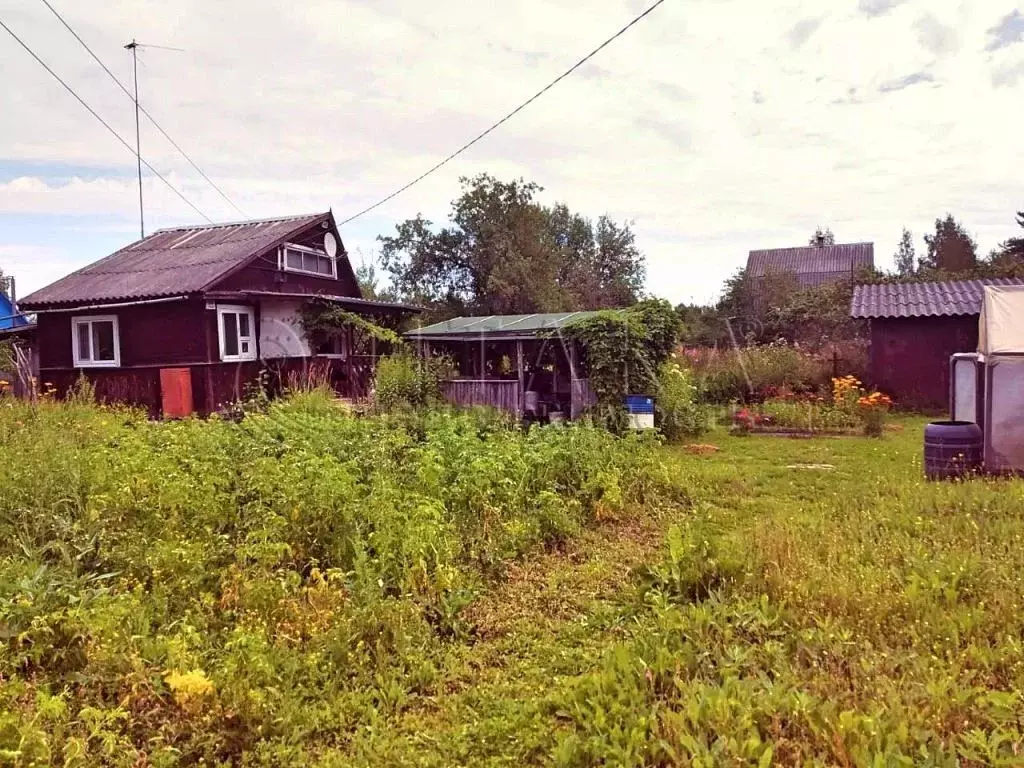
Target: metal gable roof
938, 299
812, 264
170, 262
507, 326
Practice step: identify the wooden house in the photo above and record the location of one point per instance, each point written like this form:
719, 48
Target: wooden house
812, 265
915, 329
186, 318
522, 364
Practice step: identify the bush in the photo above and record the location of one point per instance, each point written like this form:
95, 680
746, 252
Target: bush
405, 381
623, 352
750, 374
679, 414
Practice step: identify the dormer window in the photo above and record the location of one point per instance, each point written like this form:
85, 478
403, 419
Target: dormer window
307, 261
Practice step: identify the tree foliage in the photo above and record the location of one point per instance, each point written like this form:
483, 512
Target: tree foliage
950, 247
905, 257
505, 253
822, 237
1014, 247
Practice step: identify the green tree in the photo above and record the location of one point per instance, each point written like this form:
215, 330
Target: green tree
702, 326
366, 276
747, 303
505, 253
816, 316
905, 256
950, 248
1014, 247
822, 237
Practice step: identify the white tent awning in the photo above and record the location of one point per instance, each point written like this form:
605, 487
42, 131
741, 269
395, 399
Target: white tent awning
1001, 327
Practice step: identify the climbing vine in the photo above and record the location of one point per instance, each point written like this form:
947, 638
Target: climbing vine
323, 320
624, 350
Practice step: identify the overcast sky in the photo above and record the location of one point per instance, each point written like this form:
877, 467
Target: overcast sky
716, 126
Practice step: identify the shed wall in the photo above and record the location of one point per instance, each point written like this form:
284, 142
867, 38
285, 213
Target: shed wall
910, 357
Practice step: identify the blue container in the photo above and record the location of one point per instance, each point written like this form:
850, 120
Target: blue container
640, 404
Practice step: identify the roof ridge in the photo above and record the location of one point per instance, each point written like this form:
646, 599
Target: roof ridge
221, 225
808, 247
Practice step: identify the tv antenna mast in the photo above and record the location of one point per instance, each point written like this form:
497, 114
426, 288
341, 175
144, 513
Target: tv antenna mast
134, 46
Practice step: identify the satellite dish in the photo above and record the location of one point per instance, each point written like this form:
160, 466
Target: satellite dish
330, 245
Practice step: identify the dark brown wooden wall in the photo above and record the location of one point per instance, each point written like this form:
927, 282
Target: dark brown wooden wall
910, 357
263, 274
167, 334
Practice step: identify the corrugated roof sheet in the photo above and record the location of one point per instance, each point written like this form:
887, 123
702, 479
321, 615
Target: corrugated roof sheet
499, 325
170, 262
813, 265
939, 299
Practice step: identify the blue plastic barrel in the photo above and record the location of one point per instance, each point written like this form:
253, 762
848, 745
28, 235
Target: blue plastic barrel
640, 404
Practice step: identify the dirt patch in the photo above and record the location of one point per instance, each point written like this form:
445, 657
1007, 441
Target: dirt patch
554, 587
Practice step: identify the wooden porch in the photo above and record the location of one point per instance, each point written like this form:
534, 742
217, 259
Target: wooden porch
535, 376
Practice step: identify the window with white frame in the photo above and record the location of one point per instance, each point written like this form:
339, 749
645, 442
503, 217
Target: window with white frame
236, 330
309, 261
95, 342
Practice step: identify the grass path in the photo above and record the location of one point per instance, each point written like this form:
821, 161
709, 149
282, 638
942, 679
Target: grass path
860, 615
548, 621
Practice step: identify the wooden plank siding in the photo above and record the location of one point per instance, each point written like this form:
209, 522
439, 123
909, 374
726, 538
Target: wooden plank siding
497, 393
180, 334
910, 357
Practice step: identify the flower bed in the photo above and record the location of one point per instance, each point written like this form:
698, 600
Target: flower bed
850, 410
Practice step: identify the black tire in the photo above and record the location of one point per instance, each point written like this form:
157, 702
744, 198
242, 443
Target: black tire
952, 449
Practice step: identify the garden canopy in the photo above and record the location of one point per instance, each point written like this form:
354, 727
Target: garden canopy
1001, 327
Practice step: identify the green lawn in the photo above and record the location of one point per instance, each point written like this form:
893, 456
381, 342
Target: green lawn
772, 602
816, 602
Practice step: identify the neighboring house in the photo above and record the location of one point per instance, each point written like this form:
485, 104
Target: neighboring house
187, 317
10, 317
813, 265
915, 328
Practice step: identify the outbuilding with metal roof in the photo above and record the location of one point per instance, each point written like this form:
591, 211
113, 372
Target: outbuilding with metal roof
915, 328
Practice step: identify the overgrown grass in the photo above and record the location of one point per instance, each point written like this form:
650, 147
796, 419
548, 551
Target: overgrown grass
307, 588
204, 591
756, 372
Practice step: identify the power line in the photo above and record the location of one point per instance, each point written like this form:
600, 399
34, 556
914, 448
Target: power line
509, 116
141, 108
93, 112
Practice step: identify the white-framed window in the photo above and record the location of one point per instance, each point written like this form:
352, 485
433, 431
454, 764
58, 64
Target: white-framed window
308, 261
95, 341
236, 331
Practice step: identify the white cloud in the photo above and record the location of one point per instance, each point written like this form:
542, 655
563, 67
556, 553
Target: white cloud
718, 126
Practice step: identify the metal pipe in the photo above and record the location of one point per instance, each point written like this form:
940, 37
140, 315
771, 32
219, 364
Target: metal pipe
133, 47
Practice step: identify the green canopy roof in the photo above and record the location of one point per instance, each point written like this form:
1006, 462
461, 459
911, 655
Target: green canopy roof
502, 326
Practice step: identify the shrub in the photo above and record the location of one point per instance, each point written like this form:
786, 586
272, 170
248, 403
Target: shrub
624, 351
873, 408
679, 414
750, 374
405, 381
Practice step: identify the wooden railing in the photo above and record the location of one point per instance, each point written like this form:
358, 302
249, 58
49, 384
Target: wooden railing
497, 393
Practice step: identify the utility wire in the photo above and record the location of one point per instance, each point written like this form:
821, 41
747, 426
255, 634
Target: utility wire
104, 122
509, 116
141, 108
